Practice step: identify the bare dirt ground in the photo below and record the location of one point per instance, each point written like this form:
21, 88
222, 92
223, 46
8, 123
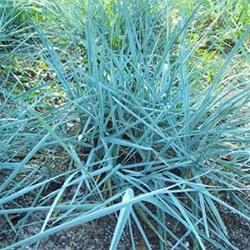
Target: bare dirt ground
98, 235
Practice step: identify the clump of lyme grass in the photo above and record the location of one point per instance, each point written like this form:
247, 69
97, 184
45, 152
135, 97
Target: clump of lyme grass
126, 134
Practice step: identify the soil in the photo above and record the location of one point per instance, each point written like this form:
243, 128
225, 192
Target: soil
98, 235
238, 230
